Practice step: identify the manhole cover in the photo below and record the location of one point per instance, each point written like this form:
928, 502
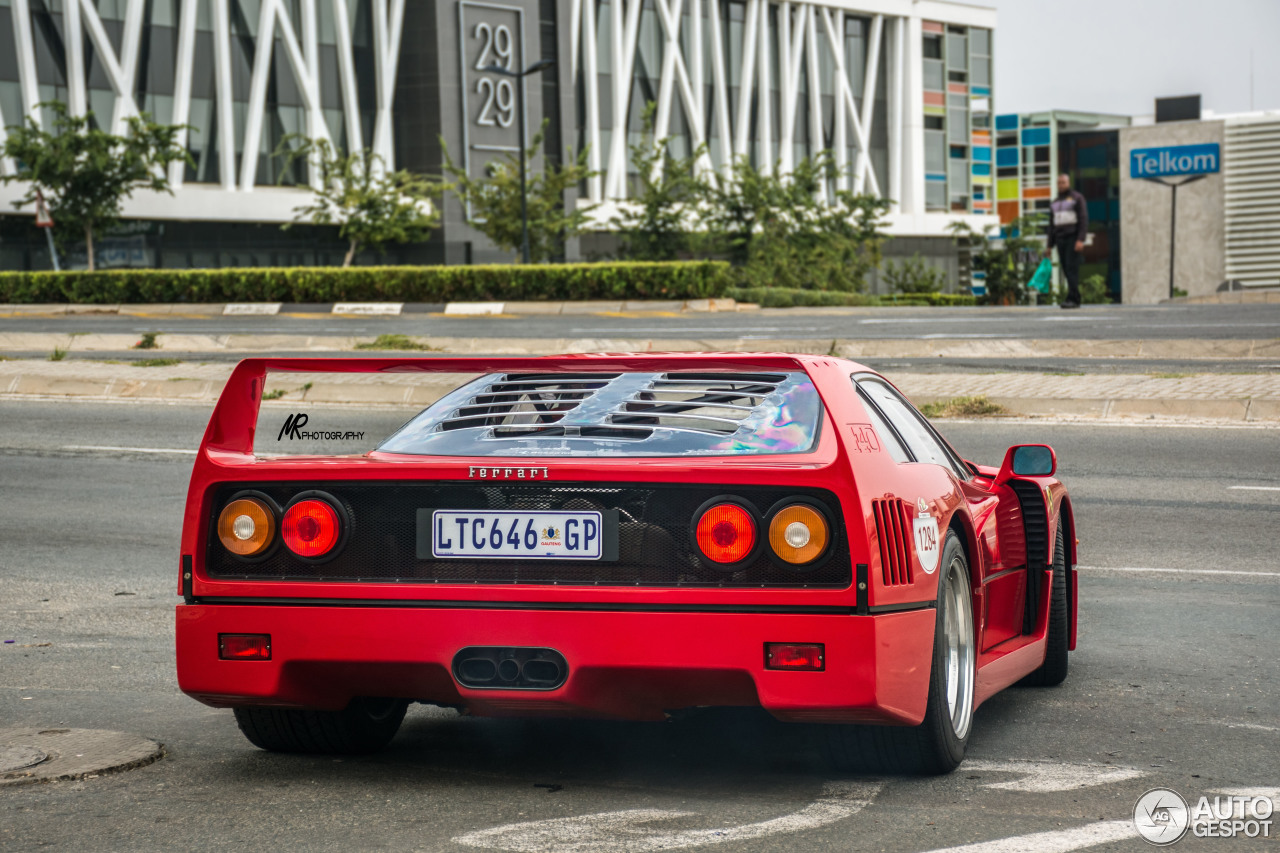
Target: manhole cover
43, 755
20, 757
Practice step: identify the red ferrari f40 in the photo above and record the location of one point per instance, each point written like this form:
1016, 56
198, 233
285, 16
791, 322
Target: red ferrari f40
625, 536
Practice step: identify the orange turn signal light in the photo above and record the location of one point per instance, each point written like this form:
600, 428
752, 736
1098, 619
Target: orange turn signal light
246, 527
798, 534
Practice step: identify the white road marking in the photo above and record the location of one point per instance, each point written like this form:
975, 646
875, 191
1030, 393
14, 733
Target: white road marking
1053, 841
1042, 777
1254, 488
626, 832
1237, 811
972, 335
127, 449
1178, 571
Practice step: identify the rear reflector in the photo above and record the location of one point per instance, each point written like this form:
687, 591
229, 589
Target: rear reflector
244, 646
795, 656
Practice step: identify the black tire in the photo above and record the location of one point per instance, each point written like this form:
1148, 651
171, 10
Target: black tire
366, 725
933, 747
1054, 669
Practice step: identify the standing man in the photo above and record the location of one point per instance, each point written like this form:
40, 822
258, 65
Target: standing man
1068, 225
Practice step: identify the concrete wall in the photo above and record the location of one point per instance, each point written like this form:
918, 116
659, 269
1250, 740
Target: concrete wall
1144, 220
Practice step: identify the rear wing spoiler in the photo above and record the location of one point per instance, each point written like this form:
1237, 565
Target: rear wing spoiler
235, 417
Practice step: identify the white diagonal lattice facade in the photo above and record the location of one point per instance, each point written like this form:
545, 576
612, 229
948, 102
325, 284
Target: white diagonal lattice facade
241, 73
779, 81
897, 90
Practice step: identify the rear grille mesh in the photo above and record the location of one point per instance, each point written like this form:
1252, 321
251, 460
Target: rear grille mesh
894, 528
655, 548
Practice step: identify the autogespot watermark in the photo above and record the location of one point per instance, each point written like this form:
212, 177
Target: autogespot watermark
1163, 817
293, 428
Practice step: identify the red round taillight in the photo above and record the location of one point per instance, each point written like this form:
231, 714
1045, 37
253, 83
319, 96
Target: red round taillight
311, 528
726, 533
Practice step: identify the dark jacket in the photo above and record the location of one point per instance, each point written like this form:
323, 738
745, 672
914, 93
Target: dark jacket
1068, 215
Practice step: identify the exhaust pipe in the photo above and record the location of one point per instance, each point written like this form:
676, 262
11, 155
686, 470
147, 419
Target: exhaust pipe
510, 668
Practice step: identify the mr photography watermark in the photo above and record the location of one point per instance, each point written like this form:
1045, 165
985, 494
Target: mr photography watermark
293, 430
1163, 817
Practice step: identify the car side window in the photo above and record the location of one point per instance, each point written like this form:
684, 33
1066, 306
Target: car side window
919, 438
888, 438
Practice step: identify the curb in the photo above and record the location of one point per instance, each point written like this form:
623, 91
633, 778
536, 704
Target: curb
389, 309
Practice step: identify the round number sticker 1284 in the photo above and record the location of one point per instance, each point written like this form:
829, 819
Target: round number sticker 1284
928, 551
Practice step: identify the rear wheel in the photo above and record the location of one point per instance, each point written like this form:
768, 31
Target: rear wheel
936, 745
1054, 669
366, 725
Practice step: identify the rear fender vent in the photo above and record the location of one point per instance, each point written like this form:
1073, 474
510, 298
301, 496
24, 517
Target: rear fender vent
894, 529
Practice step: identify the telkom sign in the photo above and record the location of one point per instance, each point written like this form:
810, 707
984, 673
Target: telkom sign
1174, 160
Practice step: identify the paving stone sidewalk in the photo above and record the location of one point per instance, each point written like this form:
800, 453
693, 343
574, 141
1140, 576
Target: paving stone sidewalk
1231, 397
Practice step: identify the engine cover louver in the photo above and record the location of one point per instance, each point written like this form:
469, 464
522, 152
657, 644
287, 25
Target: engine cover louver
894, 529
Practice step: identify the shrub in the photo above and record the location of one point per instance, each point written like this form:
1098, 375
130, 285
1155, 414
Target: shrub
962, 407
678, 280
914, 275
1094, 290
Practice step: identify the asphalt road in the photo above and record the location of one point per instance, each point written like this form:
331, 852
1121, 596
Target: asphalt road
1093, 322
1176, 682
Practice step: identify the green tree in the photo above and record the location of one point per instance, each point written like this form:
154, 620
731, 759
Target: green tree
780, 231
370, 205
656, 224
495, 199
1008, 262
86, 173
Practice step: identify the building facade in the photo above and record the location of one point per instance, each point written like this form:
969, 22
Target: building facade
1032, 149
1228, 221
898, 91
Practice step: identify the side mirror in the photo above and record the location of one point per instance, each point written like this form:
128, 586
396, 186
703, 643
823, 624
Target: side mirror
1028, 460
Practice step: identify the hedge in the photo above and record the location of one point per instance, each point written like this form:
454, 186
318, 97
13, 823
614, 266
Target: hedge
679, 280
785, 297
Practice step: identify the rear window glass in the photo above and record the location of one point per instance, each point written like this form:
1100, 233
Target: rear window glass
618, 414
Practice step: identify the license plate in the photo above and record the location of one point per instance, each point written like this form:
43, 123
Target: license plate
515, 535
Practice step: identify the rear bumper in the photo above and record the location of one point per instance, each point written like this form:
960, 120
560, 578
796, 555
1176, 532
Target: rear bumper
624, 665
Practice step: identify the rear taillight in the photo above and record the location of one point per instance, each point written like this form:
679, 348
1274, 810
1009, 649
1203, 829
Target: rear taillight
244, 646
795, 656
798, 534
726, 533
246, 527
311, 528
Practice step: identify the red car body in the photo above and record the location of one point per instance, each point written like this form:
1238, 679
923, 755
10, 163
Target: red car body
633, 651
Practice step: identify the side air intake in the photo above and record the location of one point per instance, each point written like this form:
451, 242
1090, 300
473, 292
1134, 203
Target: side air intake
894, 528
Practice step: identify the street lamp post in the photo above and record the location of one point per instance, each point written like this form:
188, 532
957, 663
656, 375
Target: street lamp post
524, 198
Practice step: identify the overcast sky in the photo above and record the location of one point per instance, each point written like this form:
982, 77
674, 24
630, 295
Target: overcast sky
1118, 56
